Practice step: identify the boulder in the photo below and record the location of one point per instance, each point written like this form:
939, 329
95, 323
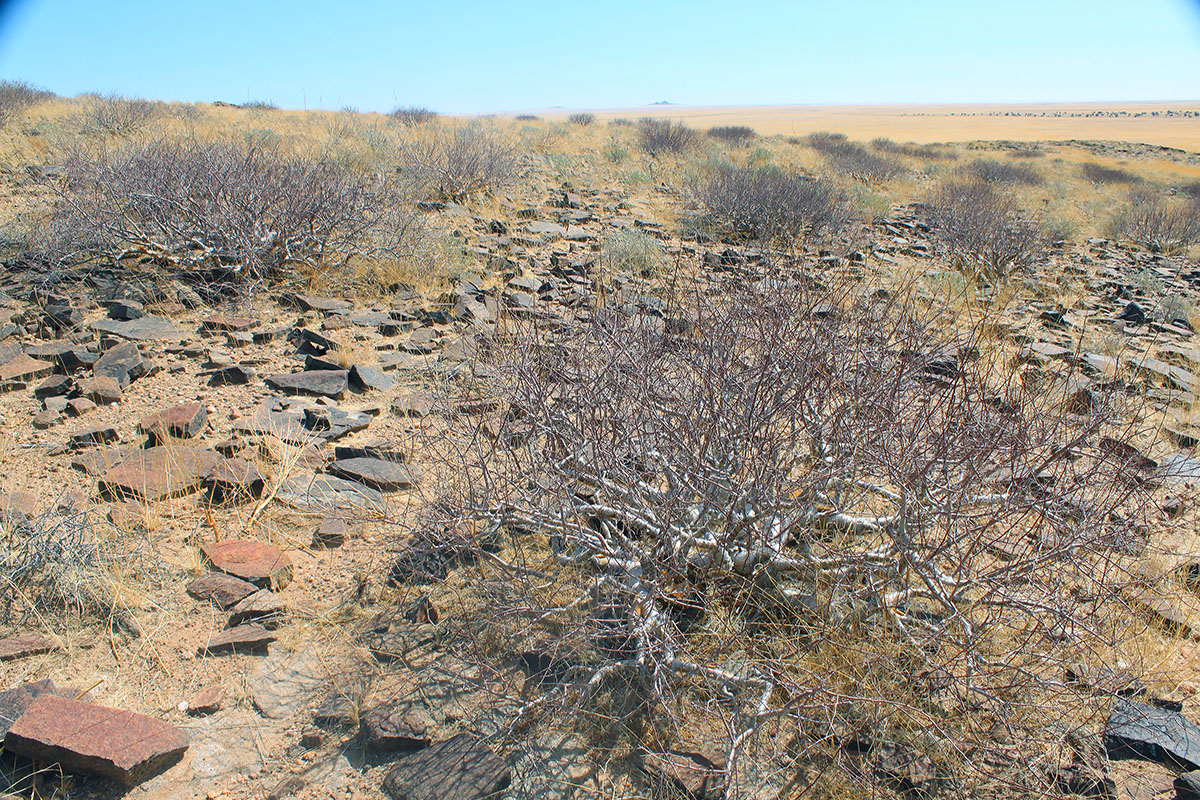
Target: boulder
256, 562
462, 768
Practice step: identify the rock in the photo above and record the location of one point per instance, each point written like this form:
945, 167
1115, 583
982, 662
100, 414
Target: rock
388, 729
123, 363
1133, 312
326, 382
183, 421
461, 768
220, 322
257, 562
285, 682
46, 419
323, 494
308, 302
366, 379
79, 406
1135, 730
158, 473
67, 357
31, 644
14, 702
54, 386
15, 507
331, 532
1179, 468
248, 638
233, 480
692, 774
93, 435
97, 460
206, 701
21, 371
103, 391
1187, 786
126, 310
263, 607
143, 329
236, 374
121, 745
378, 473
414, 405
224, 590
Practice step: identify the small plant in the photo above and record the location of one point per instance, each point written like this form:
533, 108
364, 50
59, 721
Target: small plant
1098, 173
762, 203
664, 136
120, 116
999, 172
930, 152
733, 134
1157, 225
633, 251
614, 153
853, 159
411, 116
17, 96
621, 122
471, 160
527, 118
260, 105
582, 119
983, 231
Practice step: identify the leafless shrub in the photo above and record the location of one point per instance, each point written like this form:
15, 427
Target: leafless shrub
1099, 173
411, 116
733, 134
1000, 172
464, 162
621, 122
1027, 152
17, 96
808, 518
237, 213
853, 159
527, 118
982, 230
120, 116
1158, 225
259, 105
927, 151
582, 119
664, 136
763, 203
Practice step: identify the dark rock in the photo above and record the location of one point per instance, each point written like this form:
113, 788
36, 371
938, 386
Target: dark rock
263, 607
126, 310
388, 729
694, 775
329, 383
462, 768
365, 378
79, 406
1134, 313
183, 421
248, 638
67, 357
386, 476
257, 562
143, 329
121, 745
123, 362
233, 480
103, 391
224, 590
1135, 730
94, 435
232, 375
220, 322
54, 386
22, 370
158, 473
331, 532
323, 494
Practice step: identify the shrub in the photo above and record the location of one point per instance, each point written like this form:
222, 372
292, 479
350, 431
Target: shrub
1027, 152
804, 516
982, 230
527, 118
120, 116
1191, 189
1098, 173
237, 213
664, 136
464, 162
582, 119
927, 151
17, 96
853, 159
633, 251
259, 105
1003, 173
733, 134
614, 152
763, 203
621, 122
1158, 225
411, 116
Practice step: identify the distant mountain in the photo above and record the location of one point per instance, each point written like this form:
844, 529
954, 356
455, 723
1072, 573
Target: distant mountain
663, 103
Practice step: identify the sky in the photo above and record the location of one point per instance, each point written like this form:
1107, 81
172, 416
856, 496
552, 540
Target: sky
472, 56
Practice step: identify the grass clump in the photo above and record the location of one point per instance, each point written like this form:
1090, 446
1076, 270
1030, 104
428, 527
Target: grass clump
732, 134
664, 136
930, 152
1158, 225
854, 160
17, 96
633, 251
115, 115
999, 172
468, 161
260, 105
1099, 173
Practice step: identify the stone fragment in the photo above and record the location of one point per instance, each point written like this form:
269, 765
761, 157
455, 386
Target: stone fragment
206, 701
46, 418
1135, 730
21, 371
692, 774
158, 473
220, 322
326, 493
286, 681
233, 480
224, 590
93, 435
248, 638
389, 728
461, 768
257, 562
143, 329
79, 406
30, 644
121, 745
14, 702
324, 382
263, 607
378, 473
183, 421
331, 532
123, 363
102, 391
126, 310
53, 386
232, 375
364, 378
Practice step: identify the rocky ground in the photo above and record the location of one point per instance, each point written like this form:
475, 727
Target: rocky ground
203, 507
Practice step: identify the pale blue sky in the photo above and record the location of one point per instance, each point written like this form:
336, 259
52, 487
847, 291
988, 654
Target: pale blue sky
469, 56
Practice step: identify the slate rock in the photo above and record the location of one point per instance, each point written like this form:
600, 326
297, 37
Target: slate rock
158, 473
233, 480
286, 681
325, 382
143, 329
218, 587
21, 371
14, 702
1136, 730
326, 493
32, 644
121, 745
234, 375
248, 638
220, 322
389, 728
257, 562
365, 378
102, 391
93, 435
331, 532
263, 607
124, 363
126, 310
53, 386
378, 473
67, 357
183, 421
461, 768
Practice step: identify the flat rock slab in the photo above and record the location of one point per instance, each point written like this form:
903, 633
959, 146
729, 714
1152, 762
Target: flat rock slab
1135, 730
20, 371
691, 774
322, 382
1179, 468
98, 460
256, 562
234, 480
14, 702
183, 421
378, 473
301, 421
143, 329
15, 647
123, 363
224, 590
325, 493
248, 638
286, 681
206, 701
462, 768
388, 729
121, 745
159, 472
263, 607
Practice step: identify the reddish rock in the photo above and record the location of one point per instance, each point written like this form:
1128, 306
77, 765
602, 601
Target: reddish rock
206, 701
234, 480
21, 371
46, 419
257, 562
182, 421
15, 506
158, 473
32, 644
102, 391
121, 745
220, 322
263, 607
246, 638
14, 702
79, 406
224, 590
